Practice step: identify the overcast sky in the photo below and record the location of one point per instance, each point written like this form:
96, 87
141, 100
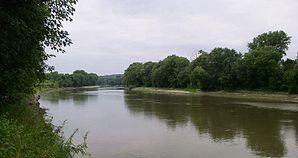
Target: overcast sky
108, 35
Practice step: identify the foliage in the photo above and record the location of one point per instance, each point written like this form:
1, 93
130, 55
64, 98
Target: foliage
81, 78
78, 78
111, 80
223, 68
27, 27
183, 78
279, 40
148, 70
133, 74
292, 80
25, 133
219, 64
167, 71
200, 78
260, 66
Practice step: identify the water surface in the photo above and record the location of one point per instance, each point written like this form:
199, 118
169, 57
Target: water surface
134, 125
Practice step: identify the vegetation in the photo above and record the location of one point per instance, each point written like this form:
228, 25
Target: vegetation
24, 132
27, 28
261, 68
110, 80
80, 78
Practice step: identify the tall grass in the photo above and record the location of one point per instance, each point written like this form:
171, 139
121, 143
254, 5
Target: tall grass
26, 133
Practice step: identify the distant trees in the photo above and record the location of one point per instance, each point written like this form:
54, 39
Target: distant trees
262, 67
170, 72
111, 80
78, 78
81, 78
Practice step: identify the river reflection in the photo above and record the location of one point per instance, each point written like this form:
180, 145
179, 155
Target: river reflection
125, 124
77, 96
222, 119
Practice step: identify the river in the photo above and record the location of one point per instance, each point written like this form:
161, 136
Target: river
124, 124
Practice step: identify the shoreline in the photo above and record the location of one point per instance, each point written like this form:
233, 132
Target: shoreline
241, 94
55, 89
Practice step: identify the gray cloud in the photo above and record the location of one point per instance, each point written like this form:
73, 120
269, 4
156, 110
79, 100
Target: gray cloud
110, 34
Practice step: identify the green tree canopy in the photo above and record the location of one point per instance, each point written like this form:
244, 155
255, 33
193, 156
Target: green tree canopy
147, 77
224, 68
292, 80
261, 66
78, 78
276, 39
27, 27
133, 75
167, 71
220, 64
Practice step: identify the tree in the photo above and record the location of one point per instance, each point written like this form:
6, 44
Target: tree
220, 65
78, 78
223, 68
66, 81
288, 64
166, 73
201, 60
53, 76
200, 78
183, 78
111, 80
92, 79
276, 39
133, 75
220, 68
261, 67
27, 27
157, 77
147, 76
292, 80
287, 67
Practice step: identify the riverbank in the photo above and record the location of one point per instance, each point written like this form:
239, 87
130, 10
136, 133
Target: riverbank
256, 95
27, 131
43, 90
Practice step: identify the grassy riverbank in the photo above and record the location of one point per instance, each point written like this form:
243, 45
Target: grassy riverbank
26, 132
257, 95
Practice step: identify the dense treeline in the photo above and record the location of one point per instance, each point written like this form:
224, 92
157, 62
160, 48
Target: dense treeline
78, 78
111, 80
262, 67
81, 78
